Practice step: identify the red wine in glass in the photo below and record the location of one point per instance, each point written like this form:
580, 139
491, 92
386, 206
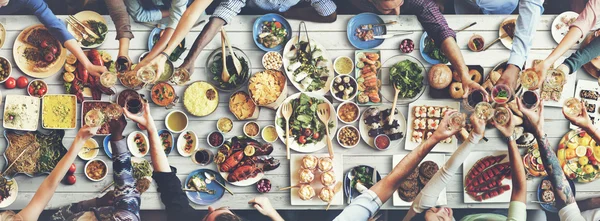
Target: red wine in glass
134, 105
473, 99
530, 99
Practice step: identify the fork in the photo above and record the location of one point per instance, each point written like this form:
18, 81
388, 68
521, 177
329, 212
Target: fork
89, 32
324, 114
286, 111
78, 29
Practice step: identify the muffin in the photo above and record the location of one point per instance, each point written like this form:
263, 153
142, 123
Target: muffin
328, 178
325, 164
306, 176
306, 192
309, 162
326, 194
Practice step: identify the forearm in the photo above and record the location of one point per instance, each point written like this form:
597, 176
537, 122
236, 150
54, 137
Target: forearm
530, 12
564, 194
452, 51
165, 13
208, 33
276, 217
589, 204
567, 42
583, 55
519, 179
593, 132
160, 45
386, 187
186, 23
75, 49
309, 14
124, 46
160, 163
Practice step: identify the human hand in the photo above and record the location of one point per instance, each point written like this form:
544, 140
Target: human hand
541, 69
533, 119
188, 66
145, 120
444, 131
96, 70
106, 200
508, 128
117, 126
470, 85
509, 76
478, 124
86, 132
123, 63
582, 120
263, 205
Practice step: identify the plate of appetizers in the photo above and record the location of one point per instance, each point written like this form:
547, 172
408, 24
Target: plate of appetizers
202, 192
314, 178
508, 27
361, 32
37, 53
271, 32
243, 161
358, 179
545, 194
561, 25
553, 96
368, 76
479, 185
578, 155
375, 121
414, 183
588, 91
424, 116
309, 69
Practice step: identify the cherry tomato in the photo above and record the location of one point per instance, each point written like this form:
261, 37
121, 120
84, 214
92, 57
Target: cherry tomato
10, 83
31, 90
22, 82
302, 140
41, 91
71, 179
277, 24
72, 169
316, 135
53, 50
44, 44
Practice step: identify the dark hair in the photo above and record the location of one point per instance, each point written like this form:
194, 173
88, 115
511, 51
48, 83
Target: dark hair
227, 217
419, 217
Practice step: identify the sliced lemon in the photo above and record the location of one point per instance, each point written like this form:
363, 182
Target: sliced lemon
560, 154
568, 171
69, 68
219, 158
249, 151
580, 151
570, 154
588, 169
71, 59
360, 55
68, 77
596, 152
572, 144
583, 161
586, 140
106, 57
535, 153
360, 64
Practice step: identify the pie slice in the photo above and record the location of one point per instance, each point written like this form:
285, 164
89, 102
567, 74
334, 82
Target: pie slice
39, 49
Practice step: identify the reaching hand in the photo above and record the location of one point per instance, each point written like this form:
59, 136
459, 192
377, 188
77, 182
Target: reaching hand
582, 120
96, 70
117, 126
263, 205
145, 120
508, 128
541, 68
444, 131
470, 85
478, 124
509, 77
189, 66
534, 119
86, 132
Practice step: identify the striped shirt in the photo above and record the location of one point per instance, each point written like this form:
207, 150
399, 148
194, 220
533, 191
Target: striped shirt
227, 9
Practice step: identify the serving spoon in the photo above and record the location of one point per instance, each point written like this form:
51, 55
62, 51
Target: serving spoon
210, 177
324, 114
396, 92
224, 74
236, 61
286, 111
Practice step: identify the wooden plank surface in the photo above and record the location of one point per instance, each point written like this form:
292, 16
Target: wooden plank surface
333, 37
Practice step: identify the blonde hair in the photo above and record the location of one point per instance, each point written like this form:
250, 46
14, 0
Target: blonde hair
10, 216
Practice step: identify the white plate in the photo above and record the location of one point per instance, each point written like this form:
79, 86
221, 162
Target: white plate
141, 160
440, 147
507, 42
132, 146
181, 143
470, 161
35, 104
592, 86
26, 66
364, 130
85, 16
569, 87
290, 75
309, 148
439, 159
559, 34
296, 161
14, 191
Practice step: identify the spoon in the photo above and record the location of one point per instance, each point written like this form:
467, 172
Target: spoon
236, 61
323, 112
210, 178
224, 74
396, 92
87, 149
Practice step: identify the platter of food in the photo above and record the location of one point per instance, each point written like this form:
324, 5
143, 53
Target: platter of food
37, 53
554, 96
93, 22
214, 65
315, 177
163, 94
242, 106
343, 88
533, 162
508, 27
268, 88
375, 121
307, 65
187, 143
545, 193
368, 76
138, 144
206, 191
155, 35
43, 151
416, 181
200, 99
167, 141
492, 78
408, 74
271, 32
8, 191
430, 51
423, 118
486, 177
588, 91
96, 170
21, 112
79, 82
243, 161
59, 111
5, 68
307, 131
578, 155
358, 179
361, 32
87, 106
445, 82
561, 25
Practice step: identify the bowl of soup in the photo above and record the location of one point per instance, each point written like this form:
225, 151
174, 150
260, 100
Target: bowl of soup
176, 121
89, 150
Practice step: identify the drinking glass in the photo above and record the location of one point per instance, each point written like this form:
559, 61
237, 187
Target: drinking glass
529, 79
473, 99
146, 75
134, 105
556, 79
95, 118
572, 107
114, 111
202, 157
530, 99
484, 111
501, 93
456, 120
502, 115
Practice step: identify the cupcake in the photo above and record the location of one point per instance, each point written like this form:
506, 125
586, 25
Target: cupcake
326, 194
328, 178
309, 162
325, 164
306, 176
306, 192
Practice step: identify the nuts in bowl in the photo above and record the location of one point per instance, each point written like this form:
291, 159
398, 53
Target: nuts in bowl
5, 69
37, 88
348, 136
272, 60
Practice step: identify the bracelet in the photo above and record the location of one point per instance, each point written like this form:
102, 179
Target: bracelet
164, 53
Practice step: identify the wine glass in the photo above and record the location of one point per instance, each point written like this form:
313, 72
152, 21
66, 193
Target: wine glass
501, 93
572, 107
134, 105
502, 115
114, 111
146, 75
474, 98
108, 79
556, 79
456, 120
530, 99
95, 118
484, 111
529, 79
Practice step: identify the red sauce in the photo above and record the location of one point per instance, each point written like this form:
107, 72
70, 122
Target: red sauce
215, 139
382, 142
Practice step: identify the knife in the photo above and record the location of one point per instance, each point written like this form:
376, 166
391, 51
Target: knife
386, 36
374, 175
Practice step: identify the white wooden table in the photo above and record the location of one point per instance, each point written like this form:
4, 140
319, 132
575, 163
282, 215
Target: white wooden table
333, 37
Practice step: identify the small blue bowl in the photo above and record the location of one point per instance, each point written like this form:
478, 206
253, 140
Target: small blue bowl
170, 149
423, 54
106, 146
257, 27
363, 19
549, 207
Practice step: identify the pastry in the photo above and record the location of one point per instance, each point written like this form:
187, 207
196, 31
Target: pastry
328, 178
325, 164
326, 194
456, 90
306, 176
306, 192
309, 162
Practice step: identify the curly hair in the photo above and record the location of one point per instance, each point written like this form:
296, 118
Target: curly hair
419, 217
227, 217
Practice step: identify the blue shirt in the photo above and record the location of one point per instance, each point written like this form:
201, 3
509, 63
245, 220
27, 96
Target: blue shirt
530, 12
40, 9
228, 9
141, 14
361, 208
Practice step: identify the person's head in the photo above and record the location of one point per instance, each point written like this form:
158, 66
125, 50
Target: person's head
4, 3
220, 214
438, 213
387, 7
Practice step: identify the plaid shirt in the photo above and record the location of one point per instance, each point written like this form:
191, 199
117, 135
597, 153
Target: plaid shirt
427, 13
227, 9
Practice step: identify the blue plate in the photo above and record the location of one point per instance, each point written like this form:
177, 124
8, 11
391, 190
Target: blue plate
168, 150
205, 198
257, 27
106, 146
363, 19
550, 207
156, 31
351, 192
422, 47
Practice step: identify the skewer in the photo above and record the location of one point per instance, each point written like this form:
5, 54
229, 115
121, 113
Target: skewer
289, 187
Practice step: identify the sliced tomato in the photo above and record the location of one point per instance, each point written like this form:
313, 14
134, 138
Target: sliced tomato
277, 24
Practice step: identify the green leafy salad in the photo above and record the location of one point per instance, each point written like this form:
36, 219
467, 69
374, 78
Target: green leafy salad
308, 65
433, 51
97, 27
407, 77
305, 126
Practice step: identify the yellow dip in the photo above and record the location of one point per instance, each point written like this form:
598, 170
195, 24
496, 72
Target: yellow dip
59, 111
269, 134
86, 155
343, 65
224, 125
